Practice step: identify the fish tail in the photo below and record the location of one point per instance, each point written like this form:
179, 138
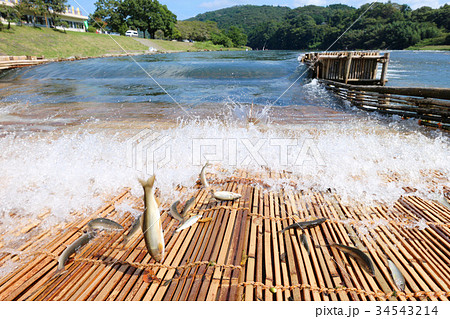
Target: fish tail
148, 183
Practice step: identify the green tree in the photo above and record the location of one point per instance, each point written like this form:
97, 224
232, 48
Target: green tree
221, 39
53, 9
110, 14
35, 7
149, 15
237, 36
10, 14
197, 30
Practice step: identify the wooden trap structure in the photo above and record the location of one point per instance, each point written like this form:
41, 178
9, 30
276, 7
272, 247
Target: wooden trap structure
348, 67
352, 76
240, 254
431, 106
11, 62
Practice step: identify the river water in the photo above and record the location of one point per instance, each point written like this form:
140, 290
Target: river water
73, 133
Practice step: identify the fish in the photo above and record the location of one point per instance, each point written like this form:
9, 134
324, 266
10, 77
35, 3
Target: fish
304, 225
189, 204
134, 228
104, 224
304, 241
188, 223
397, 276
151, 222
174, 211
224, 195
203, 179
361, 258
77, 244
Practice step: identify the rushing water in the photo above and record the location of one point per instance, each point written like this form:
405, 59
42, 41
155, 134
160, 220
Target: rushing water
68, 130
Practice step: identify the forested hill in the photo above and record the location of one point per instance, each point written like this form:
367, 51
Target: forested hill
246, 17
384, 26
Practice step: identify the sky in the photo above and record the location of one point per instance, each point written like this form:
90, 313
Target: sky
185, 9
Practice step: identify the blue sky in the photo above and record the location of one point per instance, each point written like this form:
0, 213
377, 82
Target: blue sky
190, 8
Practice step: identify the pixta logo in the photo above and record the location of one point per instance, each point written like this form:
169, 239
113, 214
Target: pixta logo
148, 151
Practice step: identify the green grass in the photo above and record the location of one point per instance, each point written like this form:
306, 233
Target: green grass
23, 40
432, 44
176, 46
431, 47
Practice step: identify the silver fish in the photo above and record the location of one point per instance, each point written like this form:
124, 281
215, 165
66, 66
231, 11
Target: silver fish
226, 196
189, 204
134, 228
188, 223
304, 241
304, 225
104, 224
77, 244
361, 258
397, 276
203, 179
151, 223
174, 211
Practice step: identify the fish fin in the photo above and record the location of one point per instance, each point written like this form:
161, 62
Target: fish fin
148, 183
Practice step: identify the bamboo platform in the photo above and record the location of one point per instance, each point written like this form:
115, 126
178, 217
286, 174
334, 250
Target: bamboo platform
348, 67
11, 62
240, 255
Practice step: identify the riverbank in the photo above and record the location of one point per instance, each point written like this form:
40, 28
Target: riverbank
431, 48
434, 44
56, 44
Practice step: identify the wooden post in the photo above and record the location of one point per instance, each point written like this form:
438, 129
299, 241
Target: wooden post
350, 95
384, 99
385, 68
348, 64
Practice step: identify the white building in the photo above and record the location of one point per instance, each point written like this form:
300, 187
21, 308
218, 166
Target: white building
72, 16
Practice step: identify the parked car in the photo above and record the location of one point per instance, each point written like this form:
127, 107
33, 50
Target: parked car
131, 33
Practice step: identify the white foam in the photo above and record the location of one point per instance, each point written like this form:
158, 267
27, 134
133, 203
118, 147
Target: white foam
64, 172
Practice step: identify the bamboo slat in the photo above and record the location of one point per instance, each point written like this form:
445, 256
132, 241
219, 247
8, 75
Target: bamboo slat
241, 255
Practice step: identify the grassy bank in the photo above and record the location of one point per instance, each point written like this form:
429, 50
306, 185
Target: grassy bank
23, 40
431, 47
176, 46
439, 43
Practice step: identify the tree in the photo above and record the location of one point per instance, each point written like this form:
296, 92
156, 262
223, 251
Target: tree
221, 39
149, 15
10, 13
35, 7
237, 36
196, 30
169, 21
109, 14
